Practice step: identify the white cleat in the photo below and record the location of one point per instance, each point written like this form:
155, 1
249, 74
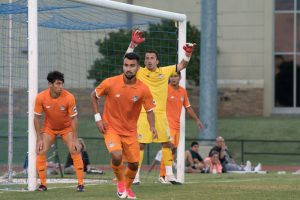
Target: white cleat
162, 180
136, 180
248, 167
257, 168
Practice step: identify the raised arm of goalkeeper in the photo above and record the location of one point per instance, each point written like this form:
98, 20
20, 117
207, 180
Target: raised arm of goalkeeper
137, 38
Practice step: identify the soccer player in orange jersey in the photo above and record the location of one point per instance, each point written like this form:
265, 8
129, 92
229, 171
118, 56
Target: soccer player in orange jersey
124, 97
177, 97
60, 119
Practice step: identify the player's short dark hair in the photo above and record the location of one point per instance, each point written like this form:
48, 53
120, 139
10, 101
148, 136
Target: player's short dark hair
153, 51
132, 56
194, 143
55, 75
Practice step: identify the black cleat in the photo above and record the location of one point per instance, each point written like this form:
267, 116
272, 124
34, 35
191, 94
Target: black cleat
172, 179
42, 188
80, 188
175, 183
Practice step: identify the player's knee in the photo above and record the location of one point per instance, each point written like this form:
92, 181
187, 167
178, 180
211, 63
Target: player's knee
133, 166
142, 146
116, 157
42, 152
74, 153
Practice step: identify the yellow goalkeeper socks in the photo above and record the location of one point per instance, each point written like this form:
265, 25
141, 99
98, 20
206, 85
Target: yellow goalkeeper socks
167, 156
141, 158
168, 160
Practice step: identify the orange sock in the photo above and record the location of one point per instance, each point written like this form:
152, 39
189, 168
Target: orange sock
41, 168
129, 177
118, 171
162, 168
78, 166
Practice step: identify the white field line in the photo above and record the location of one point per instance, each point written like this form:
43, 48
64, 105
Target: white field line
50, 188
225, 181
101, 182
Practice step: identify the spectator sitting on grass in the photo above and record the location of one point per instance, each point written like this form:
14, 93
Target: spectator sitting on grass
213, 163
193, 161
226, 159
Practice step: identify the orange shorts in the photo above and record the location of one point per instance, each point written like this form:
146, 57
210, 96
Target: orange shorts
175, 134
53, 133
127, 144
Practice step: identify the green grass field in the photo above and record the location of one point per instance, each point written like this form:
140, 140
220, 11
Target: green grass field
198, 186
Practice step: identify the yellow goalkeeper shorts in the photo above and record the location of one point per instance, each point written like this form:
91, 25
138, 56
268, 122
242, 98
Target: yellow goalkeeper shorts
161, 125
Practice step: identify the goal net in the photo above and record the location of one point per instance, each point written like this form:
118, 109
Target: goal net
86, 42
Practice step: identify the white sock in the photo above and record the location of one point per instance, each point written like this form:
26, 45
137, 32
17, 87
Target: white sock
138, 173
169, 170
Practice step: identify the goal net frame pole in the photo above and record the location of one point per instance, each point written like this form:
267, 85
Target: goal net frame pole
32, 90
10, 104
33, 72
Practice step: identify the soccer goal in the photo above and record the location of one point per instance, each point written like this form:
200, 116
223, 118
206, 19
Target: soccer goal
84, 39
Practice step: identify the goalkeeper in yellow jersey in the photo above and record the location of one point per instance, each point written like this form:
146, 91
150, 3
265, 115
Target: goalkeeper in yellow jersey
156, 78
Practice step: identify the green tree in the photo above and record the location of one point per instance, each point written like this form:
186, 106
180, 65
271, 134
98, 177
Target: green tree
161, 37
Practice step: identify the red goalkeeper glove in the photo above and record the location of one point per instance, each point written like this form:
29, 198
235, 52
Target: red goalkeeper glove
136, 38
188, 48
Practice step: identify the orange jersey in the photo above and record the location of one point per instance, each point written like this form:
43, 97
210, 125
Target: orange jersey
176, 99
123, 104
57, 111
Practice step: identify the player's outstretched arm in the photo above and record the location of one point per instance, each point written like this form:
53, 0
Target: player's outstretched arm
136, 39
193, 115
188, 48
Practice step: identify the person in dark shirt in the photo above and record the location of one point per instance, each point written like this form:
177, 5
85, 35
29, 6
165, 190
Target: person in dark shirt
193, 161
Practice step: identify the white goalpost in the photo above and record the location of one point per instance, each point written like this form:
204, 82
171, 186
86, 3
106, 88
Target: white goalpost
32, 90
33, 72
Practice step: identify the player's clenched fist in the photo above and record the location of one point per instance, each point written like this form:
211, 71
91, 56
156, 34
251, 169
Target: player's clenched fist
189, 48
